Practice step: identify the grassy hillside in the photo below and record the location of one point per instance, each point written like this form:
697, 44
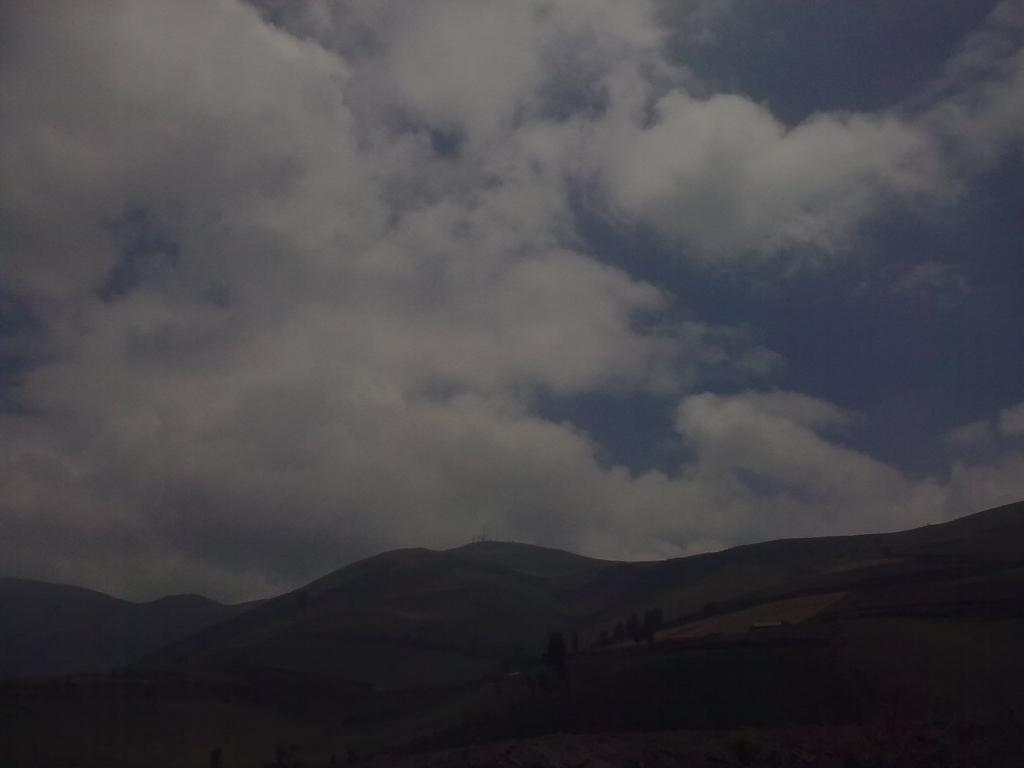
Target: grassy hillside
409, 618
467, 613
427, 649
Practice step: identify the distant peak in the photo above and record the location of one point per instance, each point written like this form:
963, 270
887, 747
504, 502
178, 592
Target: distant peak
186, 598
522, 546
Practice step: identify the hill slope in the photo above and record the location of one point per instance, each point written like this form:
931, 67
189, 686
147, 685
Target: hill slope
420, 619
425, 649
55, 629
407, 618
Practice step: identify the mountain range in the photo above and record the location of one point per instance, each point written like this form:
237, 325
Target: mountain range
56, 629
427, 647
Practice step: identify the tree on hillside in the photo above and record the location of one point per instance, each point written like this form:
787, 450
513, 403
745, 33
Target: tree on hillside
653, 619
620, 632
555, 654
633, 627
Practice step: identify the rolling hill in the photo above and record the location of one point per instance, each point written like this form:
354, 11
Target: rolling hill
408, 618
419, 618
424, 649
55, 629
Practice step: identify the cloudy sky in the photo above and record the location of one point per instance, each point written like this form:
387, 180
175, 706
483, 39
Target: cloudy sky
286, 283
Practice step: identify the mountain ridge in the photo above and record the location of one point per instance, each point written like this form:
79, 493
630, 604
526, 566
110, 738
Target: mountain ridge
58, 629
487, 599
499, 600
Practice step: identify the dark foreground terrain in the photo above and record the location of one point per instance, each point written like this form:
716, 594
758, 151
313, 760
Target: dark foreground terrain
889, 650
897, 743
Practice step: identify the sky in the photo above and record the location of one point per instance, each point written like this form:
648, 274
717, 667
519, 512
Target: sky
284, 284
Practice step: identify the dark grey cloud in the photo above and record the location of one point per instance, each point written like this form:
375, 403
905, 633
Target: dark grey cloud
146, 252
302, 281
